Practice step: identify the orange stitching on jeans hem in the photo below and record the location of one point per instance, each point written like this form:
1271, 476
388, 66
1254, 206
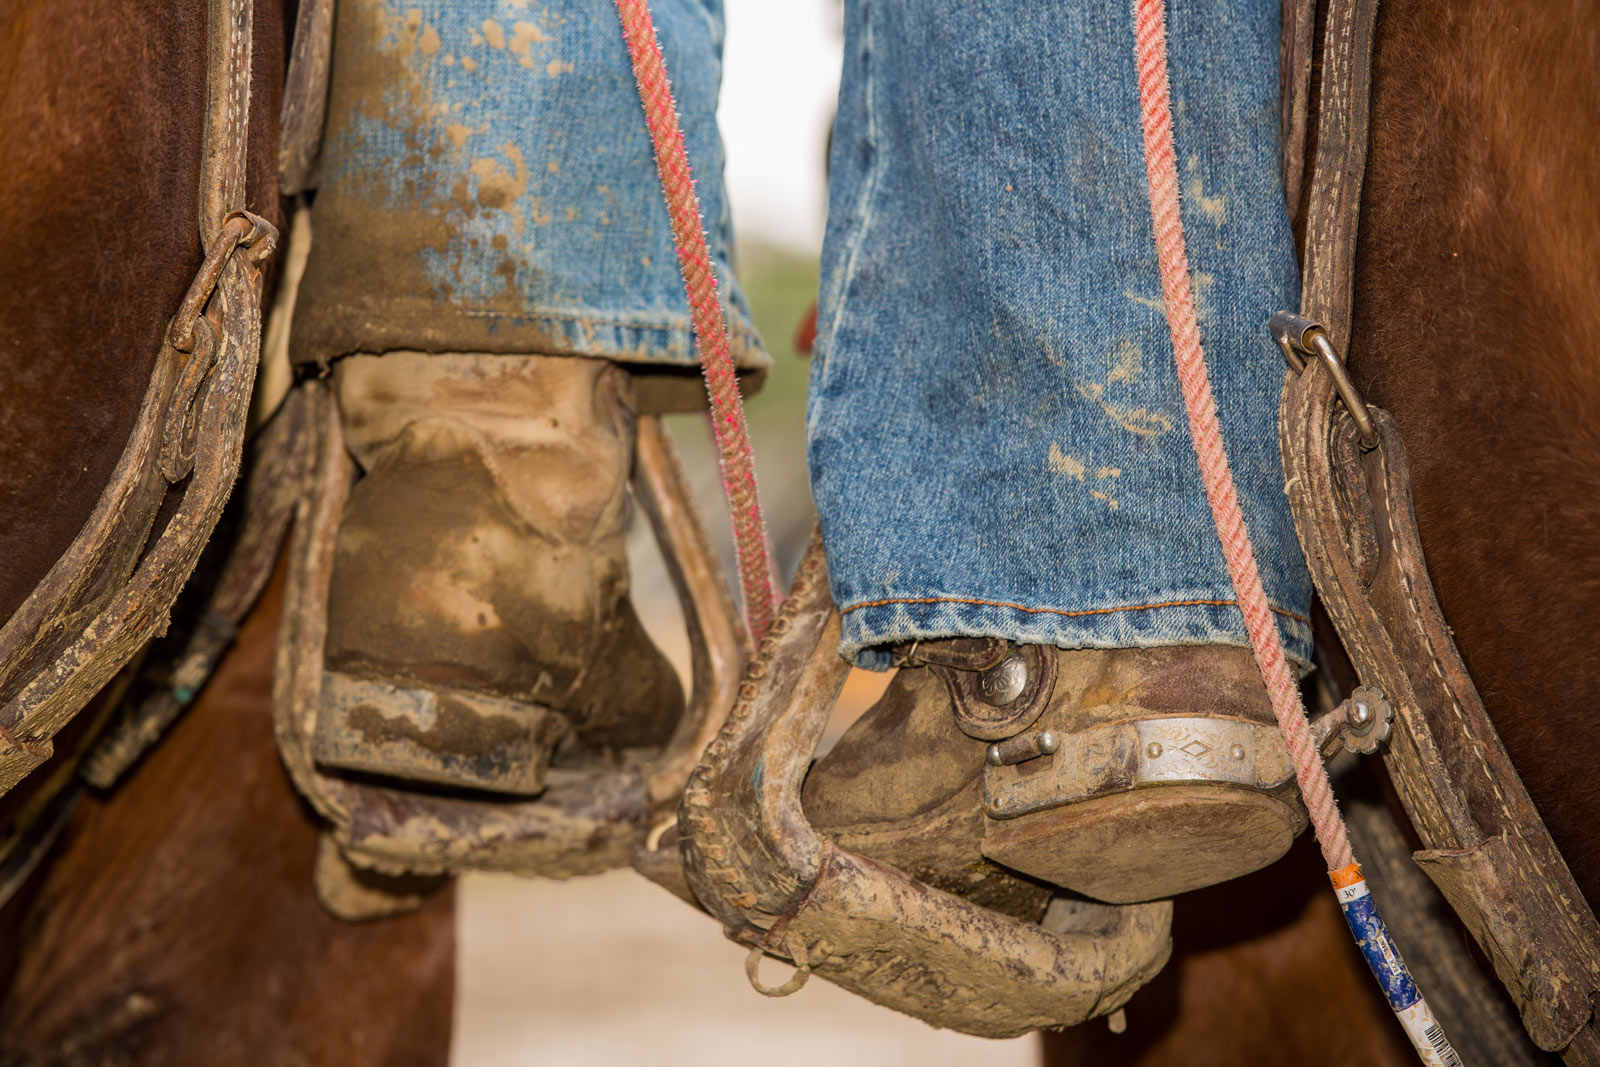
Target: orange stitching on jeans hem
1057, 611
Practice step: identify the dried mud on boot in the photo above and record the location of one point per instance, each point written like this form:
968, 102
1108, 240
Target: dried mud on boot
584, 821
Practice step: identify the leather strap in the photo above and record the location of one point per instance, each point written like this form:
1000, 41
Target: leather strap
179, 664
1294, 79
305, 97
1485, 846
111, 591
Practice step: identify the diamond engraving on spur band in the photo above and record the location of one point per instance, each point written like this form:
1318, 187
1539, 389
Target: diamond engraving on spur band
1117, 757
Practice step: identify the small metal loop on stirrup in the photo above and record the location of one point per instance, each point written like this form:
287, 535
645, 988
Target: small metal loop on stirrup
1299, 337
796, 947
652, 840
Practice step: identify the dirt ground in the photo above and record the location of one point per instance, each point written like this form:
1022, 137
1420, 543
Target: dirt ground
613, 970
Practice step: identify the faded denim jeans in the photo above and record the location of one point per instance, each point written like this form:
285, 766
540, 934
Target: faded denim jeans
997, 441
996, 438
488, 185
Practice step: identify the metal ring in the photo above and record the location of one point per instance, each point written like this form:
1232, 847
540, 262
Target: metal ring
1289, 331
1295, 335
1345, 387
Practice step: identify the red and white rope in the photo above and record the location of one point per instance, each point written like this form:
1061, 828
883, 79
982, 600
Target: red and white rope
1427, 1037
1161, 172
756, 575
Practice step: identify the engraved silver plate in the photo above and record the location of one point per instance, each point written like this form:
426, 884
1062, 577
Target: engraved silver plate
1121, 756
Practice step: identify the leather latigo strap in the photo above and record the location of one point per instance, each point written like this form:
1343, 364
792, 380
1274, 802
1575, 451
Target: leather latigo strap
176, 667
110, 592
1486, 848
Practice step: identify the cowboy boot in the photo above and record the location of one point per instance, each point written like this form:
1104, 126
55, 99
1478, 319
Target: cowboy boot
996, 771
479, 620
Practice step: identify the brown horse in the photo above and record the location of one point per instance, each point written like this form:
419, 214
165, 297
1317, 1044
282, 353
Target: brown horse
176, 924
1480, 208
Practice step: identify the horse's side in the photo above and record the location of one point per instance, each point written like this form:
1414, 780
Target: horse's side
175, 921
1477, 314
101, 114
1477, 325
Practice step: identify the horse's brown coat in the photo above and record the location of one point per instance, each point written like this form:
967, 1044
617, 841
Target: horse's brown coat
1263, 972
177, 925
1477, 324
100, 116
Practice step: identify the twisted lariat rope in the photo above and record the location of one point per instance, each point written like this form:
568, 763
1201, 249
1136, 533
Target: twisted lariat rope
756, 576
1161, 173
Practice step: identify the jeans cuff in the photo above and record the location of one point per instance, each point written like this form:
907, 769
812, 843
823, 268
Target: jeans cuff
869, 627
335, 330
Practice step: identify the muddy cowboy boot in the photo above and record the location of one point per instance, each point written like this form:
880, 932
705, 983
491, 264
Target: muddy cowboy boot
490, 323
478, 616
1124, 775
867, 871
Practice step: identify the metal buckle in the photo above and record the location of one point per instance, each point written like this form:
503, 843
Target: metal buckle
1299, 337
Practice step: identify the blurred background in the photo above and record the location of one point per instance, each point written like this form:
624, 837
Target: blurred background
613, 970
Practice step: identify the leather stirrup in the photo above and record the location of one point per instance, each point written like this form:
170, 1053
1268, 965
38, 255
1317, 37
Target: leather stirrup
584, 822
755, 862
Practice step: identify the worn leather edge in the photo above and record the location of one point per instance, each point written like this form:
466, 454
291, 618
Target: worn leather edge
754, 861
305, 97
277, 465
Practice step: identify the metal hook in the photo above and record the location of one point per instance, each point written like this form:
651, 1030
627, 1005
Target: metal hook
1297, 337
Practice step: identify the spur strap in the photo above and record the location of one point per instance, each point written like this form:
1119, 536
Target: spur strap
1486, 848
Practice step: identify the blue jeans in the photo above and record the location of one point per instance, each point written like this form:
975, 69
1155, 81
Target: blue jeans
487, 185
997, 441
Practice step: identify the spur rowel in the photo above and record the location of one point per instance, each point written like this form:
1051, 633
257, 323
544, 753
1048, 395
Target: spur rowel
985, 951
484, 697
